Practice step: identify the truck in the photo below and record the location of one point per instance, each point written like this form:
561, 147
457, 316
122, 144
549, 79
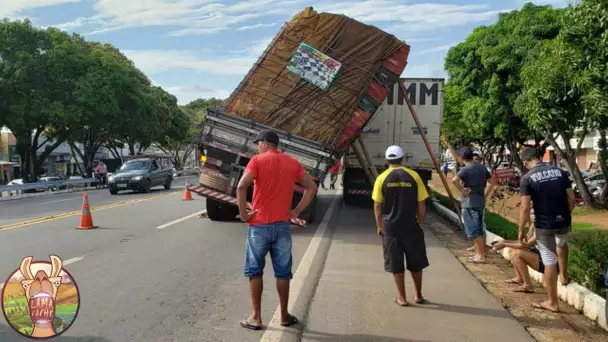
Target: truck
317, 85
393, 124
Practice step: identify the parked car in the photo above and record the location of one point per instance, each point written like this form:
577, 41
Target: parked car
140, 174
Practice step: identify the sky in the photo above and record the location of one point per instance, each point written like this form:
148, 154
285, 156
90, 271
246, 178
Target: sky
203, 48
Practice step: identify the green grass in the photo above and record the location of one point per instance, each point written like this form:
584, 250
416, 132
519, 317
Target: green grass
588, 256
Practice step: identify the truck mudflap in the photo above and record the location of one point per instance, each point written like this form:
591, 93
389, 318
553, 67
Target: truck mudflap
206, 192
359, 192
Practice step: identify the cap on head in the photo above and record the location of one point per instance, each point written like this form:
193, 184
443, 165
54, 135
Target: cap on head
529, 154
478, 154
468, 154
267, 136
394, 153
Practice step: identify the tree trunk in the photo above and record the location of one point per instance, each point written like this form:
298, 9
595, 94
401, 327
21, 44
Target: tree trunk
515, 159
568, 156
603, 160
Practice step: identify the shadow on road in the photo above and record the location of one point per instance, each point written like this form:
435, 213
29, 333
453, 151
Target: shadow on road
309, 335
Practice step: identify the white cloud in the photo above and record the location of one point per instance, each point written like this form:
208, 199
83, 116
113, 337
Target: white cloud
10, 8
256, 26
424, 71
197, 17
440, 48
188, 93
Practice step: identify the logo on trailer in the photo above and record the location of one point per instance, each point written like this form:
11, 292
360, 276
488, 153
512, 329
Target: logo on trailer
40, 299
416, 131
371, 131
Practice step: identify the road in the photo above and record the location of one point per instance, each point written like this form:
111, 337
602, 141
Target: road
183, 282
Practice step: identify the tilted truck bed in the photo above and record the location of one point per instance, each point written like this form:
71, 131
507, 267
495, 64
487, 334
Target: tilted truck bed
236, 134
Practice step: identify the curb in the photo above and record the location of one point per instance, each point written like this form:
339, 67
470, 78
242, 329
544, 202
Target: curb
589, 303
42, 194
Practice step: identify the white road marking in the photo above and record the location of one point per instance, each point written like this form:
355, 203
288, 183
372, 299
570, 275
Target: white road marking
61, 200
65, 263
181, 219
274, 331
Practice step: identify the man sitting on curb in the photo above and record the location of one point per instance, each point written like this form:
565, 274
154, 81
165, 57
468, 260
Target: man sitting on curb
521, 256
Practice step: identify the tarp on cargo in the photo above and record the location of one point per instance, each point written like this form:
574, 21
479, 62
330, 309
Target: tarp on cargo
272, 95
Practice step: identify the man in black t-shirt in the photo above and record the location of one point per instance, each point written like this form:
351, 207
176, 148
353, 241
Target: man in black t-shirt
548, 189
399, 205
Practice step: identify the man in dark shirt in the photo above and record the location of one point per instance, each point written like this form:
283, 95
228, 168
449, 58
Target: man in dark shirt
399, 207
548, 189
471, 181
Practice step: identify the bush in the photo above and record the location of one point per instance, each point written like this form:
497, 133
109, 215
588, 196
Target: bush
588, 258
588, 254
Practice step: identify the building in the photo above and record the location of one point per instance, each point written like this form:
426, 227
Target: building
588, 154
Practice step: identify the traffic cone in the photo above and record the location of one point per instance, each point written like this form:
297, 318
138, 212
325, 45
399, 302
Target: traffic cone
187, 193
86, 220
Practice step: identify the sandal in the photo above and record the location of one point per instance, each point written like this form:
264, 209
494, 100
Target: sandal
542, 307
400, 304
292, 321
472, 260
523, 290
245, 324
420, 300
513, 282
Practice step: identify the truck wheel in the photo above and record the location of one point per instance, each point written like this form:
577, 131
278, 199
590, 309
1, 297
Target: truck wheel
220, 211
348, 199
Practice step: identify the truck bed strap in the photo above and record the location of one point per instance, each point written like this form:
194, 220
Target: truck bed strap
206, 192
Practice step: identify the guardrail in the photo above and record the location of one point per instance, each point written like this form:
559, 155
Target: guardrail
46, 186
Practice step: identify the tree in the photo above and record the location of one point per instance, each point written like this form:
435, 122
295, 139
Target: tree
484, 73
552, 102
587, 33
181, 143
29, 102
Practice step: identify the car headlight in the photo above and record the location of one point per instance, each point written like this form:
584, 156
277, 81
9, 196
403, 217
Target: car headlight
136, 178
110, 179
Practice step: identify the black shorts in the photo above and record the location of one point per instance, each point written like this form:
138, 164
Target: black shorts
409, 248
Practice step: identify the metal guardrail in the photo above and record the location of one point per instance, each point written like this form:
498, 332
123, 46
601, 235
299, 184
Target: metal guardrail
46, 185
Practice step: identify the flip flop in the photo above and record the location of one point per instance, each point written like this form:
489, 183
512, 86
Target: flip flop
245, 324
512, 282
473, 261
523, 290
421, 301
292, 321
400, 304
542, 307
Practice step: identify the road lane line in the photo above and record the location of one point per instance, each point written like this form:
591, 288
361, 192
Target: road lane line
65, 263
58, 201
78, 212
274, 331
166, 225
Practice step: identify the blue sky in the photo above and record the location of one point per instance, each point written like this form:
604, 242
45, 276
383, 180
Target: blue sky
203, 48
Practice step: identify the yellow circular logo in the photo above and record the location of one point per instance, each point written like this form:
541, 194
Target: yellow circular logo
40, 299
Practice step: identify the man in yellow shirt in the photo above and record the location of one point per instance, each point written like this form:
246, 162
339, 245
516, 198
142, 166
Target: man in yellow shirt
399, 206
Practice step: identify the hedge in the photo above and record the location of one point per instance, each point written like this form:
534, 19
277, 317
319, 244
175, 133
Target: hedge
588, 253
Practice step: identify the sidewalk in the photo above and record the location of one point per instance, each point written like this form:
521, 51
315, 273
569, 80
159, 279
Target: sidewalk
354, 298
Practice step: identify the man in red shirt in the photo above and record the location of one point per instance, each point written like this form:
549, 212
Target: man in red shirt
274, 175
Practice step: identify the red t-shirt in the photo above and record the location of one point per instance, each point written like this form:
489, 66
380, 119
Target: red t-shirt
275, 174
336, 168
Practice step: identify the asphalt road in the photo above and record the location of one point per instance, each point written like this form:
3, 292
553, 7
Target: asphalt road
25, 209
140, 283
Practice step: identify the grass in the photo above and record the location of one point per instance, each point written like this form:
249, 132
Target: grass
588, 257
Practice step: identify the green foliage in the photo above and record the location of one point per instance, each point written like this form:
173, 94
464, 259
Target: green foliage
64, 88
588, 258
484, 73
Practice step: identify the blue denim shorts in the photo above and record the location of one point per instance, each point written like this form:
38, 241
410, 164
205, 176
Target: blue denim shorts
473, 221
274, 238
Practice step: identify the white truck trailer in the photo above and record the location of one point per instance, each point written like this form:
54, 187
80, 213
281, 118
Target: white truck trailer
393, 124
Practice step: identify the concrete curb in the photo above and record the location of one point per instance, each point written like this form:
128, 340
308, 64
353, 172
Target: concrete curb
589, 303
7, 198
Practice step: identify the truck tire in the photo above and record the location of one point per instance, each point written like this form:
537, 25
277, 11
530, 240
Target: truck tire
220, 211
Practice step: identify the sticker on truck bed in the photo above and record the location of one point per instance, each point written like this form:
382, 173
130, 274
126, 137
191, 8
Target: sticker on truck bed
314, 66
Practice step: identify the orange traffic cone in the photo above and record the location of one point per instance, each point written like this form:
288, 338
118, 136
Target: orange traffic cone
187, 193
86, 220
